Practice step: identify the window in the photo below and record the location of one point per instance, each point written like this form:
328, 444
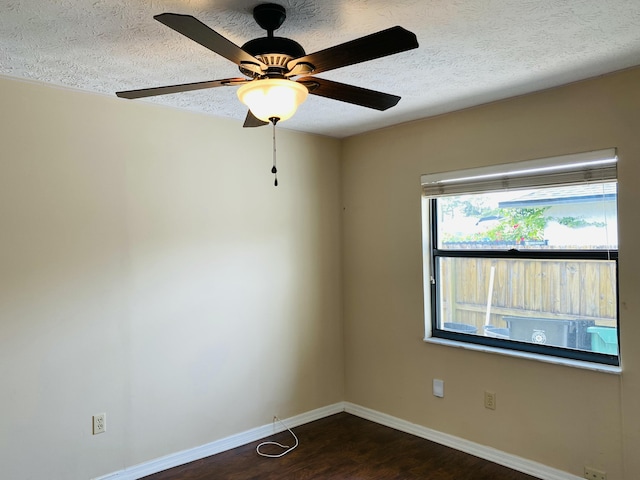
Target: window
524, 256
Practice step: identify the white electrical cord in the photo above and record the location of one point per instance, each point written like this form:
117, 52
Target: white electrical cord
278, 455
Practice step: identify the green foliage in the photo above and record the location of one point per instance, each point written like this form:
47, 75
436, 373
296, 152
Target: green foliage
452, 205
513, 224
573, 222
519, 224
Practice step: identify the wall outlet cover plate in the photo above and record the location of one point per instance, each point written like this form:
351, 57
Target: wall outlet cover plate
99, 423
438, 387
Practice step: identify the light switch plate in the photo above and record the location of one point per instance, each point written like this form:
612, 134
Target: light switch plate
438, 387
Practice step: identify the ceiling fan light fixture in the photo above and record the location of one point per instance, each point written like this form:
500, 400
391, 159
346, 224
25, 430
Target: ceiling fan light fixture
273, 98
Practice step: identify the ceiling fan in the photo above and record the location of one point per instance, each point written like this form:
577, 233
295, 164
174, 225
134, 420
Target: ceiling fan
277, 70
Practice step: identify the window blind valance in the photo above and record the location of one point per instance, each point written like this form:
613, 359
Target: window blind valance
598, 165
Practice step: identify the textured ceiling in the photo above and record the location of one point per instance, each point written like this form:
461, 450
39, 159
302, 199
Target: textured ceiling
471, 51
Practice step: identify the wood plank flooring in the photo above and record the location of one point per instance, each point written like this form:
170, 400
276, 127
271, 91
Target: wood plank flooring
344, 447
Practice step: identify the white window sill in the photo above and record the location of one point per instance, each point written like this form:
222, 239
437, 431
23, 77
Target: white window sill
596, 367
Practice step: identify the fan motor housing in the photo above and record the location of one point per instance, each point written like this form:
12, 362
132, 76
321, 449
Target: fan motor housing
275, 52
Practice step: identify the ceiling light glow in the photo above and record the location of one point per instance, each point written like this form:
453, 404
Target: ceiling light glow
273, 98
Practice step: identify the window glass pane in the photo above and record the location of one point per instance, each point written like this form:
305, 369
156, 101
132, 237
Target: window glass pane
576, 217
559, 302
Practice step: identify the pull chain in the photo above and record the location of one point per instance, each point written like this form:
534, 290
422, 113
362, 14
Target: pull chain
274, 170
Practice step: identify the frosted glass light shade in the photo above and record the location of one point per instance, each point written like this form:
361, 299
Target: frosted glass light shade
272, 97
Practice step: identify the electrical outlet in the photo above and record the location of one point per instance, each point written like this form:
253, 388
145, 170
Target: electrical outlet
490, 400
593, 474
99, 423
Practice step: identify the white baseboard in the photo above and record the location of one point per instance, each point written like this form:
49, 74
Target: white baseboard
224, 444
491, 454
514, 462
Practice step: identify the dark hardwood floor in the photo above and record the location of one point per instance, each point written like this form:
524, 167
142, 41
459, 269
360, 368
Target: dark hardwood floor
342, 447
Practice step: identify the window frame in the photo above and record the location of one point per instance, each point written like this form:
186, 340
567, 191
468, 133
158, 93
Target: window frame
433, 280
573, 354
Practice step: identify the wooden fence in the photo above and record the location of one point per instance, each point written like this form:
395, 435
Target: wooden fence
553, 289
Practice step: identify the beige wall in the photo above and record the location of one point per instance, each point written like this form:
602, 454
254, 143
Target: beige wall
560, 416
150, 270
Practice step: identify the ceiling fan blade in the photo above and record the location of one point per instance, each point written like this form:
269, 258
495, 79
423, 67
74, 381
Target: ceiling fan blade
349, 93
377, 45
197, 31
253, 121
185, 87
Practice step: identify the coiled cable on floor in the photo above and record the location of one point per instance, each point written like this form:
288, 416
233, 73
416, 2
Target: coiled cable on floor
278, 455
